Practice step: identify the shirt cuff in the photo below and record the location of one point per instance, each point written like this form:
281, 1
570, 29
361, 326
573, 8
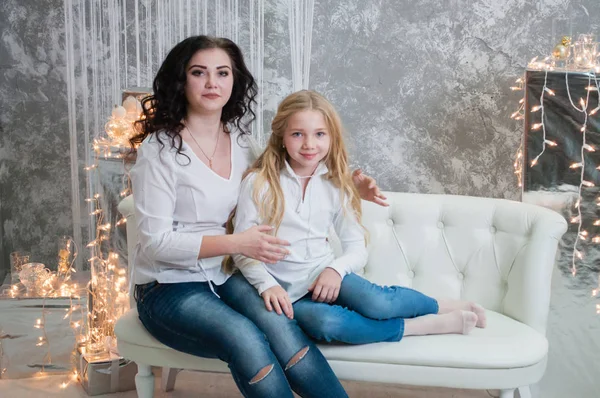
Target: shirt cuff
339, 268
266, 285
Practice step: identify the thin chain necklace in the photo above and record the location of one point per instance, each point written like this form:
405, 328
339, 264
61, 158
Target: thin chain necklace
210, 159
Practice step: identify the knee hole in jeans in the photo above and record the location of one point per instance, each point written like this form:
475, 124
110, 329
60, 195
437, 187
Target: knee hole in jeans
297, 358
264, 372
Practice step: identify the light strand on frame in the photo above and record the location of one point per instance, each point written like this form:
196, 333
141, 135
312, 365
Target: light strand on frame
581, 235
583, 107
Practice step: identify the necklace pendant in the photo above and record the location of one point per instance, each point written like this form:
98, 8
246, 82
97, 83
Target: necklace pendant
210, 163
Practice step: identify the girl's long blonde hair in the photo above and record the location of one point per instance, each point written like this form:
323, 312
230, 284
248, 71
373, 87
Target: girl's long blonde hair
267, 192
268, 166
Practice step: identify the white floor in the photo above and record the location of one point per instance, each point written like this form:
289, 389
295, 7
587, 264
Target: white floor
214, 385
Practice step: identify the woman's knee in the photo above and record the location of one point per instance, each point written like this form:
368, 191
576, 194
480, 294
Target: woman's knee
246, 333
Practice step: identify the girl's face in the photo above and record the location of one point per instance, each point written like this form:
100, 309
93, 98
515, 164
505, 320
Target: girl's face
209, 81
306, 140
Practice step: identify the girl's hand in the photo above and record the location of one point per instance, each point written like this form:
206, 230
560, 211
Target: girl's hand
326, 288
367, 188
256, 244
276, 297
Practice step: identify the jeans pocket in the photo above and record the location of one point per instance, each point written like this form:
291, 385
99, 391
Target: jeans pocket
141, 291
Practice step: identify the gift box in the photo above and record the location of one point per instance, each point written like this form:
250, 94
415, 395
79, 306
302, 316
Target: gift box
105, 373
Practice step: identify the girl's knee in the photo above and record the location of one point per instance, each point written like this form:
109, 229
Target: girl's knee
322, 326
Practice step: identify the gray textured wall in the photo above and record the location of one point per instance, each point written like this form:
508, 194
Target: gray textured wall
35, 199
422, 86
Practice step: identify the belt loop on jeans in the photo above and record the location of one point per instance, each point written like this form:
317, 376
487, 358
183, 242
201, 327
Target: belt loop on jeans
139, 290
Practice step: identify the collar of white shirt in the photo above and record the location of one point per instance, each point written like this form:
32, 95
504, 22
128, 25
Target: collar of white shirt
320, 170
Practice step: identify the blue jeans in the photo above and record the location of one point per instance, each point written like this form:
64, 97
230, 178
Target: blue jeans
363, 312
190, 318
309, 377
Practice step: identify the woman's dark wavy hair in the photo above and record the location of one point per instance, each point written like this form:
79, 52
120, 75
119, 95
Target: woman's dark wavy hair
167, 106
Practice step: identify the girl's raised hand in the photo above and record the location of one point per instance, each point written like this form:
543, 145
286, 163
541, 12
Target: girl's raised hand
277, 298
326, 288
257, 244
367, 188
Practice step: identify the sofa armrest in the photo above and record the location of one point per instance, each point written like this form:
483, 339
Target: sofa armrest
530, 278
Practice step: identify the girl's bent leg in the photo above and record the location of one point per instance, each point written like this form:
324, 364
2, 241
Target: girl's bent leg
307, 369
383, 302
190, 318
329, 322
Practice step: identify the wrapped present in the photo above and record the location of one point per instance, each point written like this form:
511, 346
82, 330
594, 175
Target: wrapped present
105, 373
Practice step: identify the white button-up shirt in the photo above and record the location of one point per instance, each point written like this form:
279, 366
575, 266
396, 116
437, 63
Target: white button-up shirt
306, 224
178, 201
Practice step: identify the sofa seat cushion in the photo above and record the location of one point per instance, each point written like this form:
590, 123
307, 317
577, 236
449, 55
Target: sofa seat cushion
505, 343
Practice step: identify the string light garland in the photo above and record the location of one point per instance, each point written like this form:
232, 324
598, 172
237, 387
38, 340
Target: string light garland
580, 56
107, 291
108, 295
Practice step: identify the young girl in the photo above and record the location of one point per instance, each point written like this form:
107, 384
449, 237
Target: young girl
302, 187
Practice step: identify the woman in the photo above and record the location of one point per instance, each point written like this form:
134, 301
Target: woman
192, 153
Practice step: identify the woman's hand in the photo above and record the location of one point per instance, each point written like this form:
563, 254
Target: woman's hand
326, 288
257, 244
367, 188
276, 297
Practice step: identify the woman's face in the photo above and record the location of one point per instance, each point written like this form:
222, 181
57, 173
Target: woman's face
209, 81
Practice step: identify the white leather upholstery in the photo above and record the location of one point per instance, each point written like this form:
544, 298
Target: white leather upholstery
499, 253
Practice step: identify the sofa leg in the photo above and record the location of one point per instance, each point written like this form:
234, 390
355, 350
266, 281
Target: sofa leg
510, 393
524, 392
144, 381
168, 379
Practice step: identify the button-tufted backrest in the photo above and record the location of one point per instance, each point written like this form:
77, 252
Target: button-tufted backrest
497, 252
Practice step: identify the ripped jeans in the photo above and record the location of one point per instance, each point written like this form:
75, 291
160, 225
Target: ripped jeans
269, 363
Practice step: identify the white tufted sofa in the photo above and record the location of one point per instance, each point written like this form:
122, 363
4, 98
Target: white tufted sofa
497, 252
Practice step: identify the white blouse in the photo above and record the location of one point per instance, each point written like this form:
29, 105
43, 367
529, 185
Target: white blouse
178, 201
307, 224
